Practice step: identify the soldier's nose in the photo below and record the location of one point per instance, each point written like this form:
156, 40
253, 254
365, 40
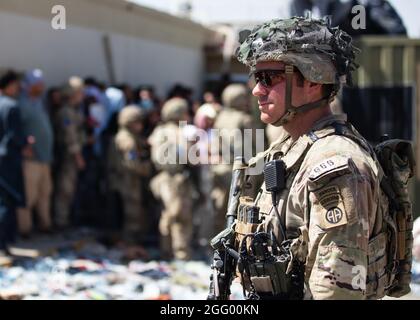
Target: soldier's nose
259, 90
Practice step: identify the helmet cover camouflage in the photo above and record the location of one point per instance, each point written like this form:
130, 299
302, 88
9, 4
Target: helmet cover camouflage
174, 109
322, 54
236, 96
130, 114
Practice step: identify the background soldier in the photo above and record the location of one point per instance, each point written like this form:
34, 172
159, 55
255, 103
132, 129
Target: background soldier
128, 163
234, 116
69, 124
173, 185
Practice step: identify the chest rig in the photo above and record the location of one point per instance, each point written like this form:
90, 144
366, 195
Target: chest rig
273, 254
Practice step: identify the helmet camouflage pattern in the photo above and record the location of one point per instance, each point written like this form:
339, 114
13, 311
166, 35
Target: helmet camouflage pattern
322, 54
130, 114
235, 96
174, 109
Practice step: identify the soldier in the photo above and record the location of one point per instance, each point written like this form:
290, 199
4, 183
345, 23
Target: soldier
233, 116
273, 133
70, 138
128, 163
173, 185
328, 213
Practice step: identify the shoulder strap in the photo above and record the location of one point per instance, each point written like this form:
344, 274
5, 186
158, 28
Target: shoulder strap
348, 131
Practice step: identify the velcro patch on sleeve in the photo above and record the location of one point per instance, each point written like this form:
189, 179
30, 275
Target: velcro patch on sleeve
328, 208
329, 168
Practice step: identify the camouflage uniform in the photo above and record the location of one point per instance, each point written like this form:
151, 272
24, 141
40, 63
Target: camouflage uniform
234, 116
128, 163
70, 140
332, 206
273, 133
173, 185
331, 201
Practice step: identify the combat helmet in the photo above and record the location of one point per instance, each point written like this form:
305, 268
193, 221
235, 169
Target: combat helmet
321, 53
130, 114
235, 96
74, 85
174, 109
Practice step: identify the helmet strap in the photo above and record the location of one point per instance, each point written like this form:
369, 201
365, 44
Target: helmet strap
291, 111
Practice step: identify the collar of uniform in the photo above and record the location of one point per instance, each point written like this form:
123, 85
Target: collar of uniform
280, 140
293, 151
277, 146
323, 122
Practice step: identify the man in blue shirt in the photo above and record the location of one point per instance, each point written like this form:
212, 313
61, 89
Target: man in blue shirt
36, 165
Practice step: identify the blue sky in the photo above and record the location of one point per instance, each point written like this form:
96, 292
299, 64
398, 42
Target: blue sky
213, 11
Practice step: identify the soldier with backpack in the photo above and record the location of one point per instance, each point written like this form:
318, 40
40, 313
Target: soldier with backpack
331, 218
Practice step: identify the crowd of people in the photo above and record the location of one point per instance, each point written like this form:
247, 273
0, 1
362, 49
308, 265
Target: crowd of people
86, 154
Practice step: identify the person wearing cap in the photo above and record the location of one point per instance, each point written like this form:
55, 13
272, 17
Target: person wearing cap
326, 211
37, 164
128, 165
173, 185
70, 139
12, 142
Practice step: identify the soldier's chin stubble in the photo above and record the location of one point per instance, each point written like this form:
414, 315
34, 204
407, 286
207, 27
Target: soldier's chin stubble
265, 118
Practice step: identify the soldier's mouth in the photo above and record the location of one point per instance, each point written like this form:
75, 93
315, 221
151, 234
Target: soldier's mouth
263, 106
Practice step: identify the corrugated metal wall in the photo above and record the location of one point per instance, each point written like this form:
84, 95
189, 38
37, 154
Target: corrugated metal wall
387, 61
386, 94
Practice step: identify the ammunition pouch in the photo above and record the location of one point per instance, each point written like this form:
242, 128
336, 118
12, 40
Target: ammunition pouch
268, 270
265, 269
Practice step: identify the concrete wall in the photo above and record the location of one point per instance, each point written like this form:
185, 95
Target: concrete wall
146, 46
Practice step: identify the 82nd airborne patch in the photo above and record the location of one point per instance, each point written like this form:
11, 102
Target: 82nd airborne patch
328, 207
334, 215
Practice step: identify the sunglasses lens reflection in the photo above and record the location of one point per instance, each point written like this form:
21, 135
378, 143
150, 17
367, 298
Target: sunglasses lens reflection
263, 78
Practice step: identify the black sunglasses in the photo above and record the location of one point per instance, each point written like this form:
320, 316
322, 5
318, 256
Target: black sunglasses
265, 77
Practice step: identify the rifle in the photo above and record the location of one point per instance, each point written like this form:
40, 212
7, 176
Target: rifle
225, 257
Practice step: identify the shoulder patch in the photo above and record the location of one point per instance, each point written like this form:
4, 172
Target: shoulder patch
328, 208
331, 167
